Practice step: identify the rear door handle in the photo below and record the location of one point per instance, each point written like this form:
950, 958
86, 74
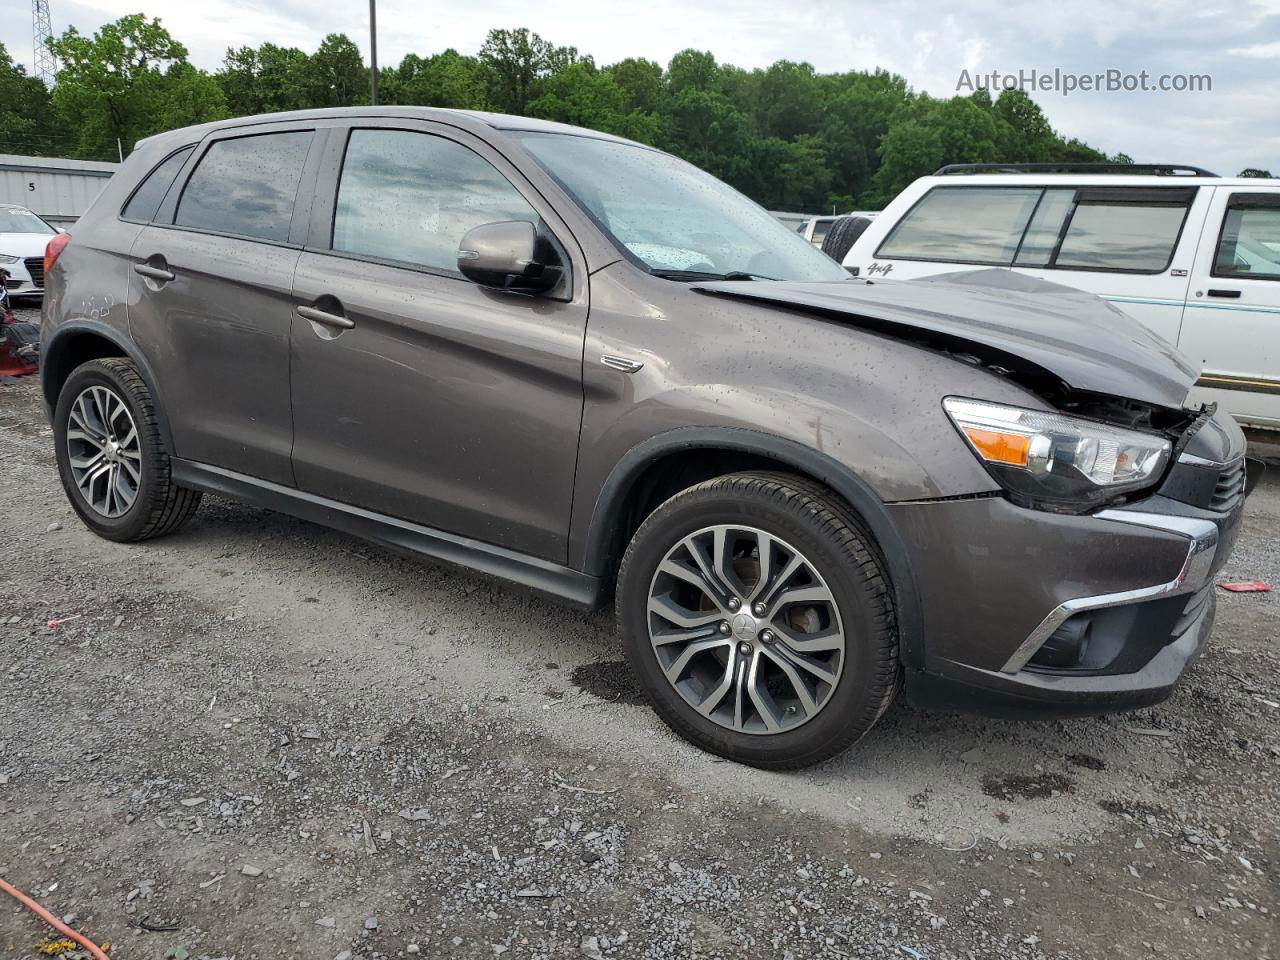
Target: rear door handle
1230, 294
153, 273
325, 318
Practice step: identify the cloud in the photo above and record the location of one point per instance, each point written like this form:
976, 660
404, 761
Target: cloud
929, 42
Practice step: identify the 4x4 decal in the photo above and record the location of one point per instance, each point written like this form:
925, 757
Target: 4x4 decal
883, 269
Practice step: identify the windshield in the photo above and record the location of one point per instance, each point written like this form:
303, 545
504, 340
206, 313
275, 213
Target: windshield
19, 220
674, 218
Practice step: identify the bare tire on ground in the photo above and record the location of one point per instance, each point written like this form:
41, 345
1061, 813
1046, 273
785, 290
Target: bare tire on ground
756, 614
112, 458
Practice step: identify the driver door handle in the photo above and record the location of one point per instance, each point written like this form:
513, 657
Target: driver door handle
1230, 294
325, 318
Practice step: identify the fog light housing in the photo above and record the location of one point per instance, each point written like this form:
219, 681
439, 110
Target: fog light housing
1066, 647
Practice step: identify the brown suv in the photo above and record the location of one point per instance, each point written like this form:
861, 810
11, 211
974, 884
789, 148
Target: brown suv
585, 366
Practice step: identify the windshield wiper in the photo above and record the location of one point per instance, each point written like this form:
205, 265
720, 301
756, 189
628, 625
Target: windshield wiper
692, 275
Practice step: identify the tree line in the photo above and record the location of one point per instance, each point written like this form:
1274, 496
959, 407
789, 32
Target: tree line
786, 135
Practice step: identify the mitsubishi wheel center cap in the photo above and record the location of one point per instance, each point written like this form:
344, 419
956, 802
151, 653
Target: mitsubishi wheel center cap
745, 626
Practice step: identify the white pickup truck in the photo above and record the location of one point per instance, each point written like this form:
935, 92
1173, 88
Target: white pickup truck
1193, 256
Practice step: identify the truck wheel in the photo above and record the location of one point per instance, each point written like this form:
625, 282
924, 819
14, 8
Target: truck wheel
112, 459
842, 236
758, 618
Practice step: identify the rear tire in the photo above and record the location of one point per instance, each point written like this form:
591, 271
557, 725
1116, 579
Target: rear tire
112, 459
764, 719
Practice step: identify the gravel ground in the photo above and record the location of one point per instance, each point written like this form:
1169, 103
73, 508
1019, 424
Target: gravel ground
270, 740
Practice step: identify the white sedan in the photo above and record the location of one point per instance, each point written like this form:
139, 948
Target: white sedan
23, 237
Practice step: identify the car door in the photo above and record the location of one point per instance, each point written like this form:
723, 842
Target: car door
1232, 319
433, 399
210, 298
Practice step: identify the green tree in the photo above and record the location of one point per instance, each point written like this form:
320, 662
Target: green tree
264, 80
1022, 133
446, 79
1255, 172
583, 95
335, 75
515, 62
129, 80
642, 82
28, 124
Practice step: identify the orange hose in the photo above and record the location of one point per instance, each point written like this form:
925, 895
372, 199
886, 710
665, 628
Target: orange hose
53, 921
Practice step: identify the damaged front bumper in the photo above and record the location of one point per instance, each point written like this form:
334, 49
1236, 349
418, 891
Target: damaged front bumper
1032, 613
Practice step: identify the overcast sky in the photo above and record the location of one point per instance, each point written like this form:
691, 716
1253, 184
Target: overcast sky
1236, 124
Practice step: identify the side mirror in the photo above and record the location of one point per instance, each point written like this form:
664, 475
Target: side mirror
508, 255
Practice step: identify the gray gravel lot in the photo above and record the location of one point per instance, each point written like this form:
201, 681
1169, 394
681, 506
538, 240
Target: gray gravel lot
284, 742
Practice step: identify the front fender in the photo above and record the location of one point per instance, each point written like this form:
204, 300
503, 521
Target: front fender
611, 499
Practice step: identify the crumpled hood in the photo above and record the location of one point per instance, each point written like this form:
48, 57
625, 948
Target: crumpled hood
1075, 336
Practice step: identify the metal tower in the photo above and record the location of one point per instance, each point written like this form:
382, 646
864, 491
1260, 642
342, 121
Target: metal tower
46, 64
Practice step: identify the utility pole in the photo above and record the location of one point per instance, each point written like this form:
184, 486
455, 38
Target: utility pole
373, 51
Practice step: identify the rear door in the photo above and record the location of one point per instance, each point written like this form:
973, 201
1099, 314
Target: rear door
433, 399
1232, 320
210, 297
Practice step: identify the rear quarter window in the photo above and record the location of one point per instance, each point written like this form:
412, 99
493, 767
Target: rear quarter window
962, 224
146, 198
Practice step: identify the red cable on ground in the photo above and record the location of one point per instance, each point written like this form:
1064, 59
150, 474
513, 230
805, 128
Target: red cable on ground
53, 921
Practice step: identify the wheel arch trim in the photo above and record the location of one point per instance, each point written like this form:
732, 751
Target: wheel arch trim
65, 333
865, 502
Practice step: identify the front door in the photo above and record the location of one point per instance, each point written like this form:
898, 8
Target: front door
432, 399
1232, 320
210, 302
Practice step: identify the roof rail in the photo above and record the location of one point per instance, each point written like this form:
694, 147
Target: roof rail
1157, 169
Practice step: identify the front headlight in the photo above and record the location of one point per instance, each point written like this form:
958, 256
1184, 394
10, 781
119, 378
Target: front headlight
5, 258
1056, 461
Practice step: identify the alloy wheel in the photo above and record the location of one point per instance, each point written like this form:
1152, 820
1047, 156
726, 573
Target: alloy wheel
745, 629
103, 451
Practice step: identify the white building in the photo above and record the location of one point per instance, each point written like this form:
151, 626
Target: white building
56, 189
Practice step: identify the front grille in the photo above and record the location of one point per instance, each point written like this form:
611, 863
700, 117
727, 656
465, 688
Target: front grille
12, 283
1229, 488
35, 267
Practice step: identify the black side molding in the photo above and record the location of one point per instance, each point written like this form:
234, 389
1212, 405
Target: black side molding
542, 575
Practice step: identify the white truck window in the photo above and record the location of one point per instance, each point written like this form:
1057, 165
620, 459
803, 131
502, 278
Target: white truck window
1122, 234
1250, 243
980, 225
1045, 228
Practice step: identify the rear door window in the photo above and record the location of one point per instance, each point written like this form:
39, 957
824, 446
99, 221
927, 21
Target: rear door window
1249, 247
146, 199
246, 186
1127, 231
962, 224
411, 197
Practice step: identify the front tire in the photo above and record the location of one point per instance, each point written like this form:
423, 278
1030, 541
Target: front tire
112, 458
758, 618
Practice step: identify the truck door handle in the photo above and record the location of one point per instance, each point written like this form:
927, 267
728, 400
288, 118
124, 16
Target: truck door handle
1230, 294
325, 318
153, 273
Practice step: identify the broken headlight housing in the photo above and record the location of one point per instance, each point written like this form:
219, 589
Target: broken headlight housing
1053, 461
